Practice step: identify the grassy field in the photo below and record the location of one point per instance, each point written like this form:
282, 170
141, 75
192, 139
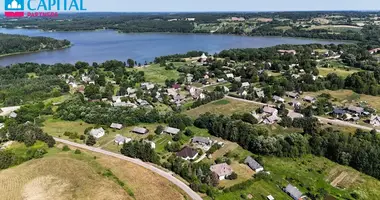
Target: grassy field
337, 28
342, 97
156, 74
339, 71
65, 175
223, 106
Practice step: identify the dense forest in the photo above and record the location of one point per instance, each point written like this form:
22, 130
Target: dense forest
10, 44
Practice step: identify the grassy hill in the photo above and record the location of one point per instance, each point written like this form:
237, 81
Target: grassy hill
66, 175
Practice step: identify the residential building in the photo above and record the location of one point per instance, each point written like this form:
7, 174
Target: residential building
97, 133
270, 110
172, 92
259, 92
309, 99
131, 91
253, 164
270, 197
187, 153
140, 130
242, 92
271, 119
203, 57
220, 80
147, 86
116, 99
120, 140
238, 79
201, 141
225, 89
152, 144
293, 192
294, 115
375, 120
13, 115
171, 131
372, 51
293, 95
116, 126
282, 52
245, 84
356, 110
295, 103
278, 99
230, 75
2, 125
223, 170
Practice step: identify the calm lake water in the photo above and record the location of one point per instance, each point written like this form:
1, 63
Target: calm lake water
105, 45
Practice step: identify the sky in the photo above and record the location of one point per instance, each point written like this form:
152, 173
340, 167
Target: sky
222, 5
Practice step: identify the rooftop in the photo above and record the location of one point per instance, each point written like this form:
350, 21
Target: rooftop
222, 169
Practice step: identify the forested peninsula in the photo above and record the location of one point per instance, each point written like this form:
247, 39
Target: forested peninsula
17, 44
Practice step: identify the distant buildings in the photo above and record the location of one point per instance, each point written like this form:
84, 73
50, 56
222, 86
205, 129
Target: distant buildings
282, 52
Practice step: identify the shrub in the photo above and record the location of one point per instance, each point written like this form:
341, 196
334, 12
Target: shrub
77, 151
65, 148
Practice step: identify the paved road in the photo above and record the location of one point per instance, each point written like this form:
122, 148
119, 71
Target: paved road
162, 173
322, 119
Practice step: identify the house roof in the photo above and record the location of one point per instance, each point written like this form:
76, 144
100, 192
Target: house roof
116, 125
245, 84
186, 152
277, 98
140, 130
293, 191
252, 163
292, 94
269, 110
309, 98
339, 111
356, 109
201, 140
222, 169
294, 115
13, 115
171, 130
97, 133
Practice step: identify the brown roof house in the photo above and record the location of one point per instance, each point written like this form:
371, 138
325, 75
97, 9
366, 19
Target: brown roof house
222, 170
187, 153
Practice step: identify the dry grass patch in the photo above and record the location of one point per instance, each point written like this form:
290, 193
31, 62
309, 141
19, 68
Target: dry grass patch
224, 107
242, 170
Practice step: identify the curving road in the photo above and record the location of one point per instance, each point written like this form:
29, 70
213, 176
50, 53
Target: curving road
321, 119
162, 173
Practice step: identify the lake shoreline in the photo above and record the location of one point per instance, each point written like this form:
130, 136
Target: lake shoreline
32, 52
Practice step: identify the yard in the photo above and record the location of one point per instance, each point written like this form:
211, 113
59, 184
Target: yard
223, 107
344, 72
156, 74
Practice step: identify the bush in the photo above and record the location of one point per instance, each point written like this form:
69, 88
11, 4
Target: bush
77, 151
233, 176
65, 148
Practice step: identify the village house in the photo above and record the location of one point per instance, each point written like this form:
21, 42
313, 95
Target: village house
375, 120
245, 84
237, 79
201, 141
171, 131
230, 75
225, 89
196, 93
147, 86
278, 99
373, 51
237, 19
270, 111
293, 95
338, 112
151, 143
116, 126
271, 119
187, 153
116, 99
293, 192
203, 58
97, 133
223, 170
355, 110
295, 104
220, 80
309, 99
242, 92
259, 92
2, 125
120, 140
85, 78
294, 115
131, 91
282, 52
270, 197
172, 92
13, 115
140, 130
176, 86
349, 117
253, 164
189, 78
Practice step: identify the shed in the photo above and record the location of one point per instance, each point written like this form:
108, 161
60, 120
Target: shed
253, 164
172, 131
140, 130
116, 126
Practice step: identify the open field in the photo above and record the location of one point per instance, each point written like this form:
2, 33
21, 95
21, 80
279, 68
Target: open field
339, 71
65, 175
156, 74
224, 107
342, 97
336, 28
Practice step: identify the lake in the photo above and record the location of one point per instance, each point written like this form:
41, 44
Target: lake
99, 46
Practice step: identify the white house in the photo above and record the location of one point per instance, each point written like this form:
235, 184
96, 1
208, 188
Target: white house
97, 133
223, 170
120, 140
116, 126
253, 164
1, 125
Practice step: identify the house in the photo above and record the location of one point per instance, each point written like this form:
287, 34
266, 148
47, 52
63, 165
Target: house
253, 164
187, 153
225, 89
294, 115
13, 115
120, 140
278, 99
295, 103
282, 52
140, 130
97, 133
116, 99
296, 76
220, 80
375, 120
356, 110
196, 93
293, 95
338, 112
120, 104
243, 93
245, 84
171, 131
203, 57
131, 91
116, 126
271, 119
190, 19
270, 110
270, 197
259, 92
147, 86
293, 192
2, 125
230, 75
309, 99
85, 78
237, 19
223, 170
238, 79
372, 51
202, 141
176, 86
